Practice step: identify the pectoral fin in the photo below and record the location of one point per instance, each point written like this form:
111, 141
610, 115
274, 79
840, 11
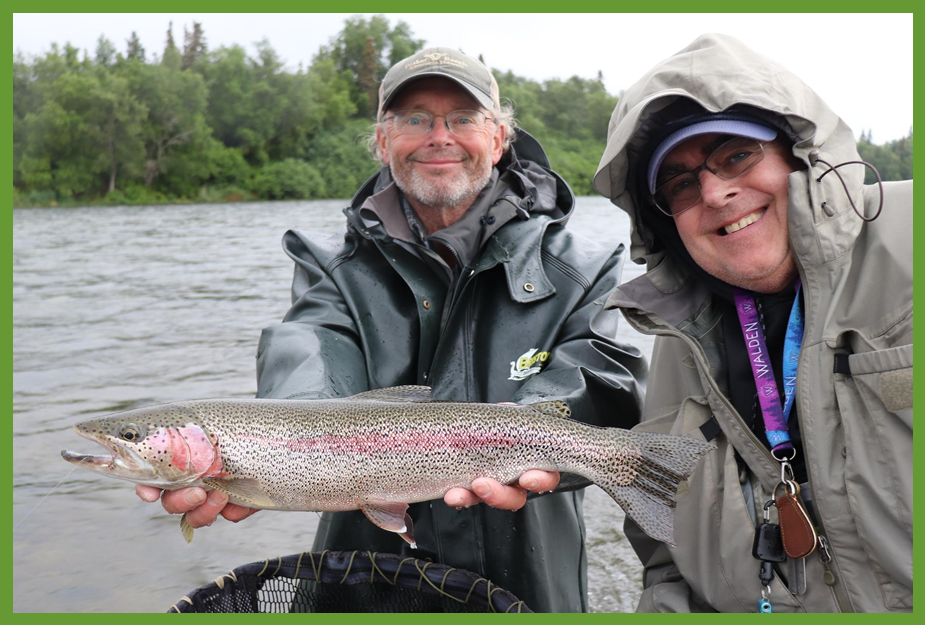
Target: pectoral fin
187, 529
248, 492
392, 517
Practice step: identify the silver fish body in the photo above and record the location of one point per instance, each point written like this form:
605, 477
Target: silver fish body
381, 450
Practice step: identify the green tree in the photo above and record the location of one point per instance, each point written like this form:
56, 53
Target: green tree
172, 56
134, 51
176, 102
194, 46
349, 48
893, 160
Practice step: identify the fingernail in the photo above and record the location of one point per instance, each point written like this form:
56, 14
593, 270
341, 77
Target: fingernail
149, 496
482, 490
533, 484
194, 497
456, 502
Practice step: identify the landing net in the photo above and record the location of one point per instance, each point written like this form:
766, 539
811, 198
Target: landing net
349, 581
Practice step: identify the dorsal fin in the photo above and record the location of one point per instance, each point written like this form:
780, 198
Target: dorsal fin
553, 409
408, 392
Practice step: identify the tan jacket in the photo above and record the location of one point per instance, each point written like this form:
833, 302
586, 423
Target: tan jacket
856, 428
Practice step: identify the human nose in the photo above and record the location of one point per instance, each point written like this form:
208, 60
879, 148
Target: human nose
439, 132
715, 191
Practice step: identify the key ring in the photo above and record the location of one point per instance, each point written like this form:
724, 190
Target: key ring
790, 485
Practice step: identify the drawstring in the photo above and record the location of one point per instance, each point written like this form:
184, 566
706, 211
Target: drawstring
814, 158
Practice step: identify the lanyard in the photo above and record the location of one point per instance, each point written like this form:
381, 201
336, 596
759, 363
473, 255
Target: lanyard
775, 416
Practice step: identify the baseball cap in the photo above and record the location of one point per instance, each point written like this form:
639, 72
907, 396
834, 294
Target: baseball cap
735, 124
469, 73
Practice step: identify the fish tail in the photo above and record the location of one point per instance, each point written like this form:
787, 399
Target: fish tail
642, 472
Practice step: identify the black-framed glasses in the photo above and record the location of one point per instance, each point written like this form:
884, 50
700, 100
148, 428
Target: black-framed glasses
460, 123
730, 160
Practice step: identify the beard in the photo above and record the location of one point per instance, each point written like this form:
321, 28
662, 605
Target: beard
447, 190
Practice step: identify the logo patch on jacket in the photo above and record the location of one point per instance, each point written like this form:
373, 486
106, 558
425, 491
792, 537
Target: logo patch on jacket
528, 364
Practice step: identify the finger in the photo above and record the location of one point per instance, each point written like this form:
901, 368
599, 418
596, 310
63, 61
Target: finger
206, 514
460, 498
234, 513
183, 500
539, 481
499, 496
147, 493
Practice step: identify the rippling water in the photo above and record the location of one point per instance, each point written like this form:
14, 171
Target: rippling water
123, 307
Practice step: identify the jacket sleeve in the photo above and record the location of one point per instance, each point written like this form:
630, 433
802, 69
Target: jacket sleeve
602, 380
664, 589
315, 352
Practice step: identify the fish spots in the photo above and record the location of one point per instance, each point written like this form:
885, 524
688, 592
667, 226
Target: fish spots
401, 442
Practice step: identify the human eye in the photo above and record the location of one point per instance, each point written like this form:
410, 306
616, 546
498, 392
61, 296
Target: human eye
735, 156
414, 119
678, 186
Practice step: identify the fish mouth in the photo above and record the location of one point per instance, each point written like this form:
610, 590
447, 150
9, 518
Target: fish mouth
89, 461
120, 462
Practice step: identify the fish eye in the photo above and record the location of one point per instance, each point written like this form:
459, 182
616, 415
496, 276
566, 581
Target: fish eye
131, 433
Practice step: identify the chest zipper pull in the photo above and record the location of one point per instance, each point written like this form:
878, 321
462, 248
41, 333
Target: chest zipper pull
826, 556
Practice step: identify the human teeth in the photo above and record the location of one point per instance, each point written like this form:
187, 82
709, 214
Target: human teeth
745, 221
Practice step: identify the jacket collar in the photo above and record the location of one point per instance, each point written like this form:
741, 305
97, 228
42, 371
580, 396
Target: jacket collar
517, 245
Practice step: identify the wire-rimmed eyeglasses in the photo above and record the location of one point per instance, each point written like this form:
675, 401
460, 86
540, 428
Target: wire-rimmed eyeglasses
460, 123
730, 160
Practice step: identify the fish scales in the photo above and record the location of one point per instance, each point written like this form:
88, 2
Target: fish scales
381, 450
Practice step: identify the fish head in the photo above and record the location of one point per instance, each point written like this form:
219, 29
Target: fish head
163, 446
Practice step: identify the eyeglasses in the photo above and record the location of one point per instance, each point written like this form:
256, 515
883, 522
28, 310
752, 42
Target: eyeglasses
459, 123
730, 160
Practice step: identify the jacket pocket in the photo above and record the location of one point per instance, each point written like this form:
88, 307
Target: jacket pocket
875, 401
714, 528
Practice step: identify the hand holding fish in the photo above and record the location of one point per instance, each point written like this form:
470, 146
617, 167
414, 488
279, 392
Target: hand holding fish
201, 508
497, 495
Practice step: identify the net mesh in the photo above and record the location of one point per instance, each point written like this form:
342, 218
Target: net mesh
349, 581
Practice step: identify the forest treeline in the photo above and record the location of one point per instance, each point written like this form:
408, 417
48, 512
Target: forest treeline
194, 124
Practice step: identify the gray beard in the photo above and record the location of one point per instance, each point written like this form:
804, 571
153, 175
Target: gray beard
441, 195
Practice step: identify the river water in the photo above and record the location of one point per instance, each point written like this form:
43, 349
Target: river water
117, 308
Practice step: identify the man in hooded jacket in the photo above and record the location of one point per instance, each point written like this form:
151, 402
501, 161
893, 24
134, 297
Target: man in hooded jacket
456, 272
731, 171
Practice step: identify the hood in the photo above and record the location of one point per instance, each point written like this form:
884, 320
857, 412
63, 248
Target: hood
718, 73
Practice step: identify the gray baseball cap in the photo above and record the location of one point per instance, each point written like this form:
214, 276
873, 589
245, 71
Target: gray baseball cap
467, 72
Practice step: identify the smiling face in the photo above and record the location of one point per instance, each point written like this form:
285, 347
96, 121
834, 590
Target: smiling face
737, 231
439, 170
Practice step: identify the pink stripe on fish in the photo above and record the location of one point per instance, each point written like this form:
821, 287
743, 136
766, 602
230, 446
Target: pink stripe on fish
380, 443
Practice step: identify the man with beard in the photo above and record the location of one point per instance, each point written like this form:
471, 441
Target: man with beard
456, 272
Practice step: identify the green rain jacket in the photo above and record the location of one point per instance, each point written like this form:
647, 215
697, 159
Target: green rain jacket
524, 322
856, 424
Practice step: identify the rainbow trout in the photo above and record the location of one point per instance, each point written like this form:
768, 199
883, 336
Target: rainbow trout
381, 450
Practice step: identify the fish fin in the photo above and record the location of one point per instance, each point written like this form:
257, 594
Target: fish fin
187, 529
553, 409
408, 392
392, 517
248, 491
643, 474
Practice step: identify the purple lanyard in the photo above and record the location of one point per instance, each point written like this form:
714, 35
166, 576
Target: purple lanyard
775, 416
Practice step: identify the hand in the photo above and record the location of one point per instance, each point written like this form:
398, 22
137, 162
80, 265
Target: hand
201, 507
497, 495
